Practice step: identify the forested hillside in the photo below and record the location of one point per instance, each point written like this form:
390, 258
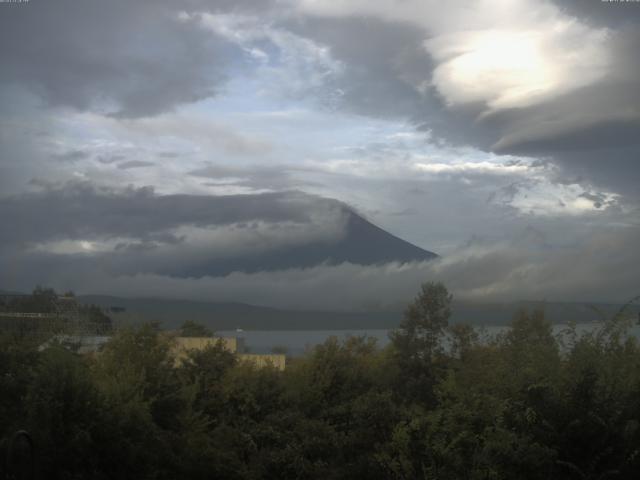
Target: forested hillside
522, 405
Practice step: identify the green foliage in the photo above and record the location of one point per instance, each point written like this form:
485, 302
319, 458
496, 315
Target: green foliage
194, 329
18, 362
425, 321
439, 402
63, 410
97, 321
417, 342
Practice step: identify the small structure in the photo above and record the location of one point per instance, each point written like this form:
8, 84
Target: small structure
182, 346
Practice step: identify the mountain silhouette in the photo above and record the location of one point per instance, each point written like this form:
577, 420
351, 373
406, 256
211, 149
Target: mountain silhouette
363, 243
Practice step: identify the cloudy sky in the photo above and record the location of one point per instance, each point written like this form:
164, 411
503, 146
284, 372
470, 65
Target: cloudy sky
501, 134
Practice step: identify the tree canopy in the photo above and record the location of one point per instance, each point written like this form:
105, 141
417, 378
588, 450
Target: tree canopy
440, 401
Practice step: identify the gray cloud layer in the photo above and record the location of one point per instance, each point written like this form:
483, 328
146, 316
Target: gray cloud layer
143, 58
128, 59
82, 211
585, 131
175, 232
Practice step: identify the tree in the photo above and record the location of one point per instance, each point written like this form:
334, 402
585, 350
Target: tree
63, 412
96, 319
193, 329
418, 339
424, 324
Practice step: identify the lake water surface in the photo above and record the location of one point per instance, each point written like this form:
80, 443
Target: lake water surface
297, 342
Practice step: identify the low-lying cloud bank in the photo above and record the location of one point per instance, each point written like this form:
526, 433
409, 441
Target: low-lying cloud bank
85, 212
133, 242
602, 268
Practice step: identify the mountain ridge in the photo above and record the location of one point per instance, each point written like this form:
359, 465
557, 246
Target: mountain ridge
363, 243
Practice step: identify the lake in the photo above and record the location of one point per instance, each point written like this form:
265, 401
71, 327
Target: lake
297, 342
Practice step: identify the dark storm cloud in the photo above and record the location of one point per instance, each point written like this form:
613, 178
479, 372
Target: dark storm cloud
383, 61
80, 211
134, 164
615, 169
603, 13
138, 59
72, 156
126, 58
109, 159
82, 232
598, 268
385, 65
591, 133
388, 72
